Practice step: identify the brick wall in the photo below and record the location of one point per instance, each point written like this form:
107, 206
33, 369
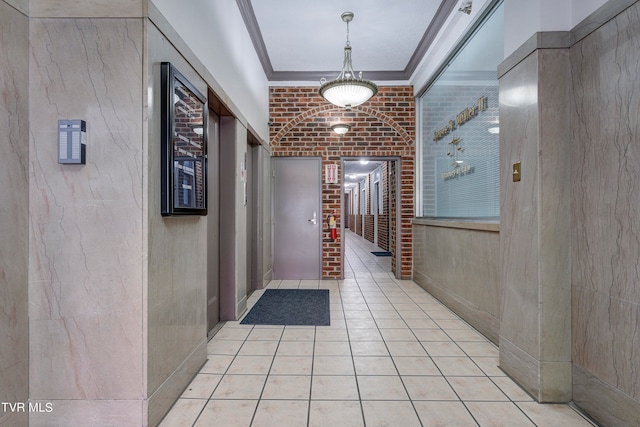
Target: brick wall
382, 127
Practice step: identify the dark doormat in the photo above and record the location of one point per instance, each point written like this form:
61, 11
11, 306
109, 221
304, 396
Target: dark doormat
381, 253
290, 307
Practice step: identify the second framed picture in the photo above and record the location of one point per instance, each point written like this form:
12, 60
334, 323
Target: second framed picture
184, 145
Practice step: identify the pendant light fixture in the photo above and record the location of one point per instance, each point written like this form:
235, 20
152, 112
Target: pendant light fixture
347, 90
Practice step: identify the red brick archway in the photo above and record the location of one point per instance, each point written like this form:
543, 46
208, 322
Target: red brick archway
382, 127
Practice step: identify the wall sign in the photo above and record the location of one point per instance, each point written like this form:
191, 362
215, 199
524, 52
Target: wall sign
461, 118
331, 174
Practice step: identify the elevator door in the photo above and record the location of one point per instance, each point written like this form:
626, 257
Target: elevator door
213, 223
297, 222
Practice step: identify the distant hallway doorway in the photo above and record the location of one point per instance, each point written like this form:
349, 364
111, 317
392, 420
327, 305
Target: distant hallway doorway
360, 260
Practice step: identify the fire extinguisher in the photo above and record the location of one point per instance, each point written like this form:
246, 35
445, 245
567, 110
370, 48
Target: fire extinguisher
331, 223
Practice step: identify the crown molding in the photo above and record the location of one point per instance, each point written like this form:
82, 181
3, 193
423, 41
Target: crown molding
250, 21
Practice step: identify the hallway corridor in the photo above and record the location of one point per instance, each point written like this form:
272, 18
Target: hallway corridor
393, 356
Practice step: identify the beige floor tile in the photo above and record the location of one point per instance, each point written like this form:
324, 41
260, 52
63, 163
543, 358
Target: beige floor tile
232, 333
265, 334
247, 387
335, 413
398, 335
444, 414
430, 335
443, 348
332, 348
498, 414
417, 315
183, 413
384, 310
415, 365
224, 347
216, 364
295, 348
365, 334
381, 304
381, 388
547, 414
291, 365
334, 388
290, 387
290, 413
457, 366
403, 348
380, 320
360, 323
323, 334
333, 365
298, 334
350, 313
201, 386
404, 304
420, 323
459, 335
448, 324
227, 413
511, 389
250, 365
374, 365
489, 366
428, 388
439, 312
388, 414
369, 348
476, 388
258, 348
384, 323
478, 348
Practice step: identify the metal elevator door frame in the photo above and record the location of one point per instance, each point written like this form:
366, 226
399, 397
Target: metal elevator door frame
213, 222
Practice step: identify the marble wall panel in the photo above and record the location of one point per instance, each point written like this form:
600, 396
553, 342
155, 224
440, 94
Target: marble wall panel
86, 228
519, 221
87, 8
461, 268
554, 86
14, 225
177, 253
535, 225
21, 5
604, 205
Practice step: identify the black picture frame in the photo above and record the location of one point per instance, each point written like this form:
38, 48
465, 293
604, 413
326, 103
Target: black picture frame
184, 145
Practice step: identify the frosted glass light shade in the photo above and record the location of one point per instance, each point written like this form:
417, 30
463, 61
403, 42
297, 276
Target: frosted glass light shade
341, 128
348, 92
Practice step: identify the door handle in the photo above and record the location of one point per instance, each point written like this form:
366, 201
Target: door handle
314, 219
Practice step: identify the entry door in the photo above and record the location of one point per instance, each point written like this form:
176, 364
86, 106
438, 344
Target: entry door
213, 223
297, 218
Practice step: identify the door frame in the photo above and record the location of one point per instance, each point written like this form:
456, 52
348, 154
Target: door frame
319, 214
397, 254
213, 223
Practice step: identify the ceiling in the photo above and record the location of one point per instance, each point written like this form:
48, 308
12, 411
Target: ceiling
303, 40
356, 170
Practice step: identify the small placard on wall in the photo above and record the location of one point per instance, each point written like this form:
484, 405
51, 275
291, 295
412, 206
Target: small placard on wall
72, 141
331, 174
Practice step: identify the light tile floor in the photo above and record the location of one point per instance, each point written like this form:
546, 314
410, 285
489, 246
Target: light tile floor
393, 356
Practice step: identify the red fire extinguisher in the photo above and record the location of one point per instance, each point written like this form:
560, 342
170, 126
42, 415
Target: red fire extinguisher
331, 222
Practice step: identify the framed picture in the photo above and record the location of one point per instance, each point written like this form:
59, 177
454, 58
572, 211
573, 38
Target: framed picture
184, 145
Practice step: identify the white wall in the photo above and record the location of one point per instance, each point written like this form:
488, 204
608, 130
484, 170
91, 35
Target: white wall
522, 20
216, 33
525, 18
